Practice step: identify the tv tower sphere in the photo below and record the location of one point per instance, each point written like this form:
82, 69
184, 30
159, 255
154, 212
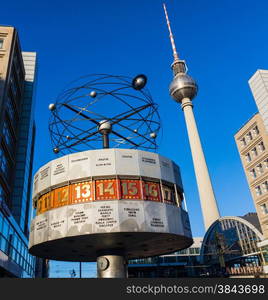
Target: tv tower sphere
183, 86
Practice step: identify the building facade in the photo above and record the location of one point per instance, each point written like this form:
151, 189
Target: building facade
230, 246
17, 136
252, 144
183, 263
259, 87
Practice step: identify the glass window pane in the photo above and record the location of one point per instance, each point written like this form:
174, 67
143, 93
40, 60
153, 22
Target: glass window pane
3, 244
5, 229
1, 218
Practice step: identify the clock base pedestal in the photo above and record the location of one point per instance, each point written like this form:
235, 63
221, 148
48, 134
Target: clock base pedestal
112, 265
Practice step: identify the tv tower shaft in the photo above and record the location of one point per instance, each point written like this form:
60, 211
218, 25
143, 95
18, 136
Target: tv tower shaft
183, 89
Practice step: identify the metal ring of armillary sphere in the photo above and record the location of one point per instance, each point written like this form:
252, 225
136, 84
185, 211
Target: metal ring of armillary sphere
103, 111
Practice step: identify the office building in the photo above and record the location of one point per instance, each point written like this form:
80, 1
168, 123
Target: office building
17, 135
183, 263
259, 87
67, 269
252, 144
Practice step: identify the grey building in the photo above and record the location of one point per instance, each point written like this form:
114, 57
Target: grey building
17, 136
259, 87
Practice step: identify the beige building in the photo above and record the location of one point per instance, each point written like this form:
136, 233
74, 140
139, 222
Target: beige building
252, 144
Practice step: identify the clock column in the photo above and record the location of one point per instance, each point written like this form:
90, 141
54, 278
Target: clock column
111, 266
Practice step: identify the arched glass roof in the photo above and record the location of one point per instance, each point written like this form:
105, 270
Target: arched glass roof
232, 237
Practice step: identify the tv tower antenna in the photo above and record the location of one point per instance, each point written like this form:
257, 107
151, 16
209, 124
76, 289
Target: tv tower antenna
183, 89
175, 53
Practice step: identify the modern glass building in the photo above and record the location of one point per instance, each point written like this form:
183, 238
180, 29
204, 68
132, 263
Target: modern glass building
17, 136
230, 246
183, 263
67, 269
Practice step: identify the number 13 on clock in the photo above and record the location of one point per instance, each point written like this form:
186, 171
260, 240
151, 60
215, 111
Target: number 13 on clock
82, 192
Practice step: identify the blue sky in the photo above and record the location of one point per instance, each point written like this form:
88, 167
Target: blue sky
223, 42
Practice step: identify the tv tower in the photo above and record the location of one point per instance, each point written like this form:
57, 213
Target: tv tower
183, 89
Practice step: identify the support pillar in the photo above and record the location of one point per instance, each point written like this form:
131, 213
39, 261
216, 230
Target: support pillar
105, 140
111, 266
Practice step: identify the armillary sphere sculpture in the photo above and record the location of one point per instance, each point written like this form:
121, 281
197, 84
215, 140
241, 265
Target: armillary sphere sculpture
104, 111
113, 204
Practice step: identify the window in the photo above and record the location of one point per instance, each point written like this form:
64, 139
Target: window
5, 229
7, 134
253, 173
13, 85
248, 157
254, 151
256, 130
3, 244
243, 142
258, 190
10, 109
265, 186
261, 146
264, 208
3, 199
260, 168
4, 165
1, 221
249, 136
14, 247
191, 250
1, 43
